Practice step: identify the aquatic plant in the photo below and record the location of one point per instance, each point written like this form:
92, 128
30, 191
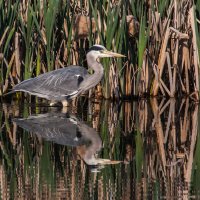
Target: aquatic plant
159, 38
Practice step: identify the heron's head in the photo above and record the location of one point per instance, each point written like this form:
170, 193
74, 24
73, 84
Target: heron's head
99, 51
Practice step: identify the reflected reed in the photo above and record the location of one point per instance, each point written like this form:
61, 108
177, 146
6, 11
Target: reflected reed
156, 139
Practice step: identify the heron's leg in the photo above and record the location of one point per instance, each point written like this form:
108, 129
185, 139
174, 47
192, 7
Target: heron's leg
65, 103
52, 103
74, 102
65, 108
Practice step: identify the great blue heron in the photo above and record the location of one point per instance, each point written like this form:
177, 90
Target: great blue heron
65, 129
64, 84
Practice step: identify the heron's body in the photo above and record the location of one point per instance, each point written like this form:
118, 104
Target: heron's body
67, 83
52, 85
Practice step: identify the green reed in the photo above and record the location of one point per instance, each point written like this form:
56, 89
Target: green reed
7, 19
139, 156
126, 135
28, 35
41, 31
50, 13
47, 41
196, 166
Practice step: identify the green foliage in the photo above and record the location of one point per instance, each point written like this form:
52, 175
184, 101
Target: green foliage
8, 15
143, 36
28, 35
196, 166
47, 40
139, 156
162, 5
50, 12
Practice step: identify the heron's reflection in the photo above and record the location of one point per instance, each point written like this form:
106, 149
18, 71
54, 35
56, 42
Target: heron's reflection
65, 129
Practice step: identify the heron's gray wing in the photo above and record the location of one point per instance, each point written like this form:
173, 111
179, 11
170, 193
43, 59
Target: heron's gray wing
59, 82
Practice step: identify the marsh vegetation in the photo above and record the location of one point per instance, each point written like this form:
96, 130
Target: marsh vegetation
159, 38
156, 139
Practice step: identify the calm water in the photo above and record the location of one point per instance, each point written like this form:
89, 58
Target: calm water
100, 150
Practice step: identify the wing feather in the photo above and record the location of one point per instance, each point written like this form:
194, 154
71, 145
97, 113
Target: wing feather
55, 84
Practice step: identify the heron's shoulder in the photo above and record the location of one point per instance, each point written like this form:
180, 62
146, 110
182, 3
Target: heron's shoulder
76, 68
72, 69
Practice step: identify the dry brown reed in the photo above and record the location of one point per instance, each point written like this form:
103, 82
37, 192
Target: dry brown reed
178, 62
35, 42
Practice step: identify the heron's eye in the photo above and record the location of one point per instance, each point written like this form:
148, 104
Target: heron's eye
101, 51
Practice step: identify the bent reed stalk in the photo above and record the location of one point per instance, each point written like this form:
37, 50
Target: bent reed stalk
160, 39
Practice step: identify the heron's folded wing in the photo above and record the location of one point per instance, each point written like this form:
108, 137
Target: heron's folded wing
55, 83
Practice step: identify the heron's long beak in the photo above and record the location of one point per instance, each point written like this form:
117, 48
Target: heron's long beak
106, 53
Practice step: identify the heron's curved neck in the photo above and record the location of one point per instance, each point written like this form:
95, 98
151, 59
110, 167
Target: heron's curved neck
95, 65
95, 78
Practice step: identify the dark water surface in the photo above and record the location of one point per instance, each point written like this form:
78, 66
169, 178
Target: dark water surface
148, 149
